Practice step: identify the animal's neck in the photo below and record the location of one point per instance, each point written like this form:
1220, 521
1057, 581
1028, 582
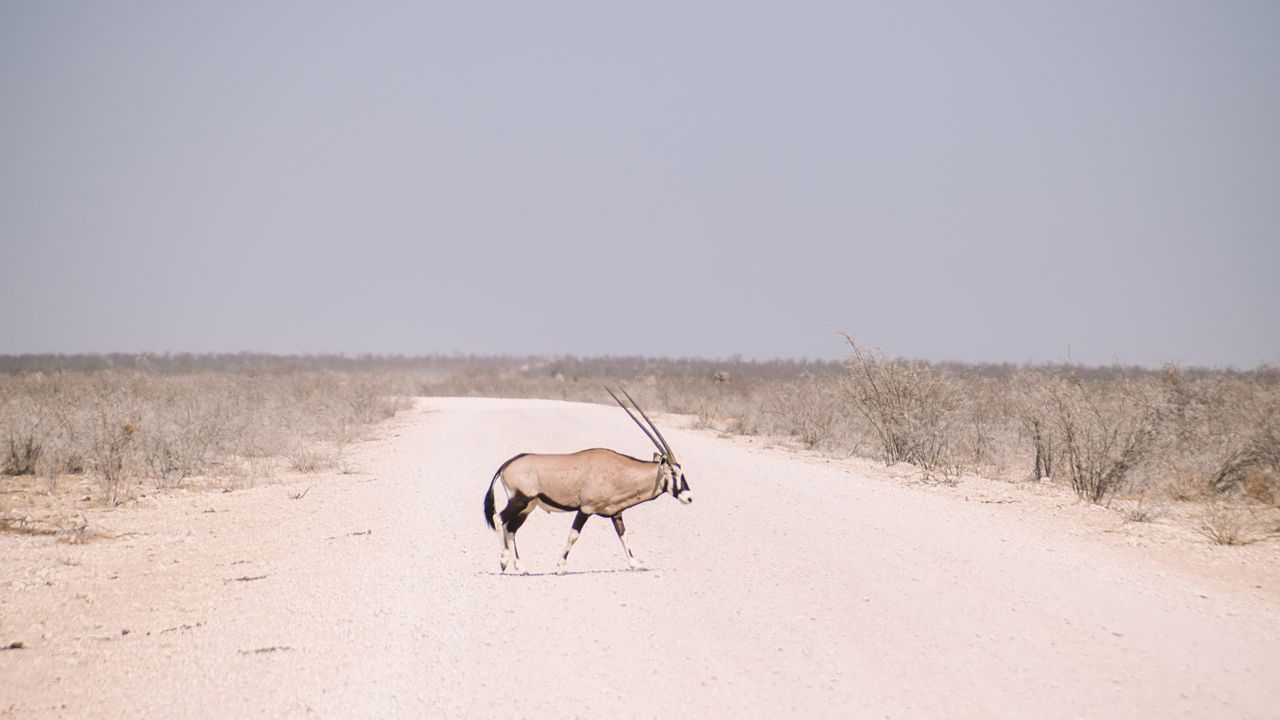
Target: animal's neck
659, 486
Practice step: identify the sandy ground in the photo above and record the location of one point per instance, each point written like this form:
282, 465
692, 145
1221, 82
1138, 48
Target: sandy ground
794, 586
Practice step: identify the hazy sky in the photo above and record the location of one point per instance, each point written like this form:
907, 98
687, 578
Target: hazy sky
977, 181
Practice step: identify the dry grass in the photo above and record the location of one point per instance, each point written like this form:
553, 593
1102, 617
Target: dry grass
1225, 524
118, 430
312, 460
1173, 435
1140, 511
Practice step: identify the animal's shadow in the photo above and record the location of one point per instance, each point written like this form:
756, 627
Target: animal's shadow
492, 573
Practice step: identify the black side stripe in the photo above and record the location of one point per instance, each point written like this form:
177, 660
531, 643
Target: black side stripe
542, 497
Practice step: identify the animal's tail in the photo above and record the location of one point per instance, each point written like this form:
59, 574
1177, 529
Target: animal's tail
488, 498
488, 502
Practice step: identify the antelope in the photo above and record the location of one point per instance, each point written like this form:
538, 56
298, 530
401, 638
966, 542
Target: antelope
591, 482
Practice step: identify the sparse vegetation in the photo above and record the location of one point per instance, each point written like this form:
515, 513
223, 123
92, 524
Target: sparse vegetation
806, 408
110, 431
307, 459
1225, 524
111, 423
910, 406
1104, 430
1140, 512
1167, 435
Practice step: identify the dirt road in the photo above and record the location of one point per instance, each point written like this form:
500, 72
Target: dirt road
792, 587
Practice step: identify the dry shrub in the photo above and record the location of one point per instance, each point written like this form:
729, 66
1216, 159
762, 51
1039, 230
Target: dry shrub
1033, 410
1105, 429
1137, 514
1142, 512
986, 431
1225, 524
748, 420
1222, 435
807, 408
311, 460
22, 457
22, 447
1253, 465
910, 406
114, 457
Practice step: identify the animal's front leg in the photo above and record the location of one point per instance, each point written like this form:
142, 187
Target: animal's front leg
578, 522
622, 536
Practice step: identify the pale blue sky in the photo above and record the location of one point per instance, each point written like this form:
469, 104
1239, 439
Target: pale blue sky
975, 181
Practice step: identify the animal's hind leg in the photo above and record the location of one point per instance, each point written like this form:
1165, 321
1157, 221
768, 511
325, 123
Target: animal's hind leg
512, 527
512, 517
578, 522
622, 536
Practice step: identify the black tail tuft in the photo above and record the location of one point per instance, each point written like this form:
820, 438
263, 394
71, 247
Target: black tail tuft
488, 505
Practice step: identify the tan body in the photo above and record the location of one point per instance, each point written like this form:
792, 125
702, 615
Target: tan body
595, 482
589, 482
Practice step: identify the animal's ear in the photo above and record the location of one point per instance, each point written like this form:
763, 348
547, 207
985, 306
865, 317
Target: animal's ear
657, 457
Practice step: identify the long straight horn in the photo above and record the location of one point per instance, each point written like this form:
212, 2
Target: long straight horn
665, 447
631, 415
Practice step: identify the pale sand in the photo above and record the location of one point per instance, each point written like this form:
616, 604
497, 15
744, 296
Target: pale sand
795, 586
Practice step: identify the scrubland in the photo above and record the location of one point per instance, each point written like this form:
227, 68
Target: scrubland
104, 436
103, 429
899, 582
1147, 442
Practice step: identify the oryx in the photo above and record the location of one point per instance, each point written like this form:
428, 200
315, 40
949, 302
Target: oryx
591, 482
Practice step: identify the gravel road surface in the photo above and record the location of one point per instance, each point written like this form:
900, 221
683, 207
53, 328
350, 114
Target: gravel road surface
793, 587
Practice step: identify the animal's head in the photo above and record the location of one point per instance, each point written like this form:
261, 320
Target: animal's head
671, 478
